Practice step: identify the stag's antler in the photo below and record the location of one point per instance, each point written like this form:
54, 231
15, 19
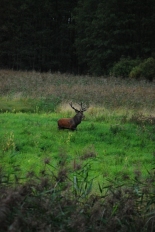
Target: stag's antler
82, 107
73, 107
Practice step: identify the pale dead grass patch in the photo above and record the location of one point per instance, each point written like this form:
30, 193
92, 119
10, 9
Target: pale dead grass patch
63, 107
110, 93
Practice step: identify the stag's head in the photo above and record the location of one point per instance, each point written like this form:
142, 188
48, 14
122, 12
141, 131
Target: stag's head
79, 113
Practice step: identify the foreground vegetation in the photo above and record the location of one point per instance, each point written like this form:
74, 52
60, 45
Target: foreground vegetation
52, 202
98, 178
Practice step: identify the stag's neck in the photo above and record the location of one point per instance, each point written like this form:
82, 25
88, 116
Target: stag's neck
77, 119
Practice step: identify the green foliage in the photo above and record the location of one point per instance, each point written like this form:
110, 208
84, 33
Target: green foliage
109, 30
81, 36
48, 104
146, 70
82, 184
51, 201
124, 67
41, 33
24, 105
136, 72
20, 105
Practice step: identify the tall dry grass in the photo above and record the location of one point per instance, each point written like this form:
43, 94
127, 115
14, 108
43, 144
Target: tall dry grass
108, 92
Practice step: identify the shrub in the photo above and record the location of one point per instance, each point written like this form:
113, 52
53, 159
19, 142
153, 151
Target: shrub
146, 69
136, 72
124, 67
48, 104
44, 203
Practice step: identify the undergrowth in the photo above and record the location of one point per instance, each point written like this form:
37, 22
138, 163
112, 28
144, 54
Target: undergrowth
53, 201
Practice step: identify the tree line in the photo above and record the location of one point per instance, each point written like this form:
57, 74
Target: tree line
80, 36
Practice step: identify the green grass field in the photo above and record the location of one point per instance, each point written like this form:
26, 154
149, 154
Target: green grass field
116, 138
113, 149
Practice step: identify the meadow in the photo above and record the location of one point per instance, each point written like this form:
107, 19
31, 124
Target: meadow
116, 137
114, 144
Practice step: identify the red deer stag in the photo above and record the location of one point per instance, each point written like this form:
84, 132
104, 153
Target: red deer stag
72, 123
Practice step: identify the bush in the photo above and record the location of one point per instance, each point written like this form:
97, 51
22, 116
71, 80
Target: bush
48, 104
146, 70
50, 203
124, 67
136, 72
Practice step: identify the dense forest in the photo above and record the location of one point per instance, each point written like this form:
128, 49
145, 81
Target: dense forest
80, 36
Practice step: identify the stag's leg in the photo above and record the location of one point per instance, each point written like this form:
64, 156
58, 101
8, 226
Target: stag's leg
74, 129
60, 128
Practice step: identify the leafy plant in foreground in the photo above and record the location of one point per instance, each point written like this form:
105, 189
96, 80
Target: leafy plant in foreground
43, 204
